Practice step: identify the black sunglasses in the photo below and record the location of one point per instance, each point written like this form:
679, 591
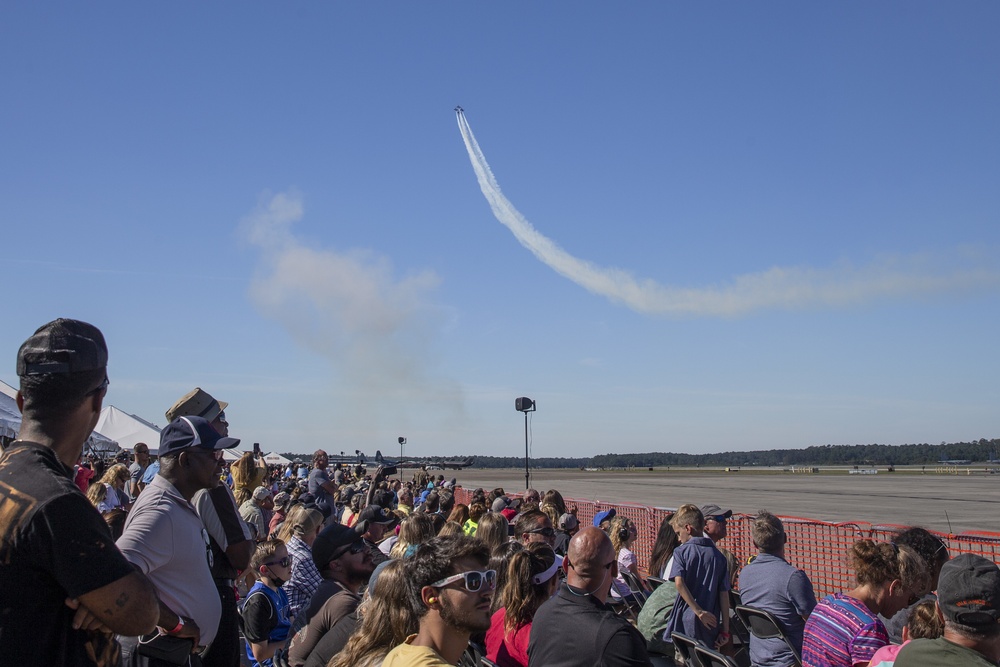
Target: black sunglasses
545, 532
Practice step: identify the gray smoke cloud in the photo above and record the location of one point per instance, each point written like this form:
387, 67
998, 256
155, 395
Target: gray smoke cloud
774, 288
377, 330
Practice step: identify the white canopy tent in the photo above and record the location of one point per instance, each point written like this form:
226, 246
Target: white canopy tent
10, 423
7, 389
128, 429
231, 454
274, 458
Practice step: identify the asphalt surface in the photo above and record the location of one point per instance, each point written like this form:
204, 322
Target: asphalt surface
951, 503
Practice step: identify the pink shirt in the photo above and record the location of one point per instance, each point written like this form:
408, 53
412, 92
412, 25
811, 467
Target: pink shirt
83, 477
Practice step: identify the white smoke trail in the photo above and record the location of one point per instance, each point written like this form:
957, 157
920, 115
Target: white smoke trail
777, 287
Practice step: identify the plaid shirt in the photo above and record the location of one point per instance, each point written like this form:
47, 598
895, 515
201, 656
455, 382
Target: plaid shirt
305, 578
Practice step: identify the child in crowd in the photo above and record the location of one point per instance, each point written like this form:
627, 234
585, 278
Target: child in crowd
923, 623
265, 612
701, 575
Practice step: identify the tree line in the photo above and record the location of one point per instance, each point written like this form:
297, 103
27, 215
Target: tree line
978, 451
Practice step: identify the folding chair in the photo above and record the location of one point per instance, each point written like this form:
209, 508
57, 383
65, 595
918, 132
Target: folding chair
654, 582
711, 658
638, 592
764, 625
472, 656
486, 662
686, 647
740, 631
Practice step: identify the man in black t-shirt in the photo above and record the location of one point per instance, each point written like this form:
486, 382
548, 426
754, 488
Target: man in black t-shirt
64, 586
576, 628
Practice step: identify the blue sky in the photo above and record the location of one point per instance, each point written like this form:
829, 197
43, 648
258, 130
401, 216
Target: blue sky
788, 213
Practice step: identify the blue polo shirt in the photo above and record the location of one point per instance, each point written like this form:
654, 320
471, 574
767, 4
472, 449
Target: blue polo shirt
771, 584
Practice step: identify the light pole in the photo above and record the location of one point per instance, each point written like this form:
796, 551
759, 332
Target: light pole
402, 441
525, 405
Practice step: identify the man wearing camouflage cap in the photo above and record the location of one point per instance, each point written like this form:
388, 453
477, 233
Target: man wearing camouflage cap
969, 602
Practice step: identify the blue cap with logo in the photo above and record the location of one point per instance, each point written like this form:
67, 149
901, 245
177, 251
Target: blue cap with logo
186, 432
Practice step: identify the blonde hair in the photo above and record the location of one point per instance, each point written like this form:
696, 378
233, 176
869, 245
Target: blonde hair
689, 515
451, 528
299, 521
924, 621
97, 493
619, 524
386, 619
550, 511
492, 529
415, 529
112, 474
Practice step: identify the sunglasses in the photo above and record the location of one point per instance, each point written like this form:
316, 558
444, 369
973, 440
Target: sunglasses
284, 562
354, 548
717, 519
222, 418
474, 580
545, 532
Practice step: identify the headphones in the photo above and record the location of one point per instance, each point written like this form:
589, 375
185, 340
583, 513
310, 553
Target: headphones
624, 531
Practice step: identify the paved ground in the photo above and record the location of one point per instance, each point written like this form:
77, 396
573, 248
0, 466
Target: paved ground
969, 502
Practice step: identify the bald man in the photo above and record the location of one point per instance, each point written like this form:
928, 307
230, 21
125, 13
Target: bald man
576, 628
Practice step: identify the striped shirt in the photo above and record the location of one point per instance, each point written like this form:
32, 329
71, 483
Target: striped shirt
842, 632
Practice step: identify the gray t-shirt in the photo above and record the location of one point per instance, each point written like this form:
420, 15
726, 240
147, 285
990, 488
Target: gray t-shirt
317, 478
166, 540
771, 584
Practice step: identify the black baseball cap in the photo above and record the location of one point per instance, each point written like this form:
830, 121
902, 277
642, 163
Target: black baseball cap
186, 432
62, 347
375, 514
969, 590
332, 540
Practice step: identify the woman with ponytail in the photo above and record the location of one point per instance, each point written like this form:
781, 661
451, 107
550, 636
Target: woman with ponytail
532, 578
844, 629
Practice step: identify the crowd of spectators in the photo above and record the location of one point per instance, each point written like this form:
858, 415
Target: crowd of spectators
187, 559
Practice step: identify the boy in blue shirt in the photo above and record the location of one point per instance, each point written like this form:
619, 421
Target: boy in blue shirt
701, 575
265, 612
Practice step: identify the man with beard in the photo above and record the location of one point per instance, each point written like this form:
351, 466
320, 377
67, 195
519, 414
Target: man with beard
450, 590
372, 525
345, 562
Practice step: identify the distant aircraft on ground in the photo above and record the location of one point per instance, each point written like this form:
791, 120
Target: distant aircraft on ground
955, 462
432, 463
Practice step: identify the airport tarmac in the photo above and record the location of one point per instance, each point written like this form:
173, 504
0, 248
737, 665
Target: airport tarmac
947, 503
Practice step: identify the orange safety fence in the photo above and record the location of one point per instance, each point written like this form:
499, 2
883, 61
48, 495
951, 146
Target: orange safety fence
820, 548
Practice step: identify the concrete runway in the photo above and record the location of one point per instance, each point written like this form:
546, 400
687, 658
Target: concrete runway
972, 502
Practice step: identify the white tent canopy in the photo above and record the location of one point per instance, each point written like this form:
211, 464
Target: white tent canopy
274, 458
231, 454
128, 429
7, 389
10, 423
